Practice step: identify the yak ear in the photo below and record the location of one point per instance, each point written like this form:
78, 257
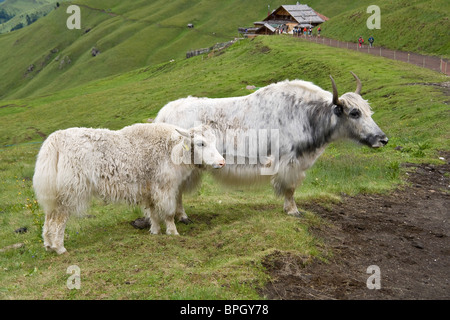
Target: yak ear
338, 110
183, 133
186, 140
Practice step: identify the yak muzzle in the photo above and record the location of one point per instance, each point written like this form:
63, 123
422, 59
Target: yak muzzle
378, 141
219, 164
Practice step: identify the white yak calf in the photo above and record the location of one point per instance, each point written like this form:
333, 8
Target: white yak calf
142, 164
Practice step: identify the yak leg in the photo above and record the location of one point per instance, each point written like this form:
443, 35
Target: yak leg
168, 212
285, 185
164, 208
151, 214
180, 214
290, 207
190, 183
53, 231
170, 225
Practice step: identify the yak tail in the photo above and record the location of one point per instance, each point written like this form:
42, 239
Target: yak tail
45, 174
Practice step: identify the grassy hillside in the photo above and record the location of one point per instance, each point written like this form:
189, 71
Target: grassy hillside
131, 35
220, 255
421, 26
16, 14
128, 36
135, 96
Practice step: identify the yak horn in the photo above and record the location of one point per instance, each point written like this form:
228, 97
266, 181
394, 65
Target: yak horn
335, 92
358, 84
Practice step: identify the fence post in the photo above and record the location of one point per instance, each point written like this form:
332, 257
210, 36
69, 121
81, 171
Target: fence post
424, 62
380, 51
408, 57
394, 55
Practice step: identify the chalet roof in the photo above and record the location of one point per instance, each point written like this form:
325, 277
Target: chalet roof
268, 26
261, 26
302, 13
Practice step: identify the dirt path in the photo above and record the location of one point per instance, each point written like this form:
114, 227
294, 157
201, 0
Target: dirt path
430, 62
404, 233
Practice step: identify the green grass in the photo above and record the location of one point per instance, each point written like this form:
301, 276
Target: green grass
418, 26
220, 255
23, 12
131, 36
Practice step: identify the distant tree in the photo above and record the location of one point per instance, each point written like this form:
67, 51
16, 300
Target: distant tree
17, 26
4, 16
31, 18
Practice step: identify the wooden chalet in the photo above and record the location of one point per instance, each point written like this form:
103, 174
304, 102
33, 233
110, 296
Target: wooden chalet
285, 18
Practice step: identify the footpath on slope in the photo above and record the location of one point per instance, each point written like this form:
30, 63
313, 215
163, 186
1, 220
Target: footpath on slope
429, 62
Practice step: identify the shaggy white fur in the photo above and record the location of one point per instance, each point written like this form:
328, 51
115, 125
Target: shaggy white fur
302, 114
142, 164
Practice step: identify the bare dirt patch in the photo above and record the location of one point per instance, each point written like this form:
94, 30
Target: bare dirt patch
405, 233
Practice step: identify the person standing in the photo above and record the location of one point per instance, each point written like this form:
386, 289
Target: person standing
371, 40
360, 41
318, 31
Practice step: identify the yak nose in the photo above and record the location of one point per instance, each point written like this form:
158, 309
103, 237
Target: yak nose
221, 163
384, 140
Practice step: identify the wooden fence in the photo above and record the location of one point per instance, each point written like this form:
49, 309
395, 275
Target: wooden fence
429, 62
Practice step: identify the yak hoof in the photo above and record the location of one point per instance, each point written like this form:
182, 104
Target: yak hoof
55, 249
172, 232
297, 214
186, 220
60, 250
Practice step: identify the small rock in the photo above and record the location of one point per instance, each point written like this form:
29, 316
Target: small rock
13, 246
141, 223
417, 244
95, 52
21, 230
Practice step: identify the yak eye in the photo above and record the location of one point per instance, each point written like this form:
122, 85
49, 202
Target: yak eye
355, 114
200, 144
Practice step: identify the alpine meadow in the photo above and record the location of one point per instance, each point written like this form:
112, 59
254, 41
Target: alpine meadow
50, 80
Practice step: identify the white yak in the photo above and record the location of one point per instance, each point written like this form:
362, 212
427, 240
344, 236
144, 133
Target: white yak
142, 164
285, 126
